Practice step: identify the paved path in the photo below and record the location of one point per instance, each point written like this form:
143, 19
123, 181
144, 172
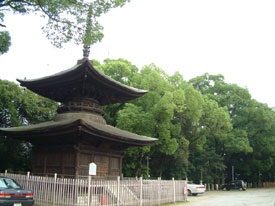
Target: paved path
250, 197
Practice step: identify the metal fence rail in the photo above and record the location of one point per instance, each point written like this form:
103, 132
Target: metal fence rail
95, 192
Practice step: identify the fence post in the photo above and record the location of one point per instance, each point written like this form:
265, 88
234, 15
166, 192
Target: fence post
54, 186
28, 177
140, 201
174, 189
159, 178
118, 187
140, 191
185, 190
89, 189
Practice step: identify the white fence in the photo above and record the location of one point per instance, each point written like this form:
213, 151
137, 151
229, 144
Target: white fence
91, 192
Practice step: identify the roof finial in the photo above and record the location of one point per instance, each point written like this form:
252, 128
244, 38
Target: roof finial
87, 35
86, 51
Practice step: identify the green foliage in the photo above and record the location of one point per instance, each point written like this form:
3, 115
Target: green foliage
67, 20
182, 119
5, 42
203, 127
238, 142
5, 39
132, 118
14, 155
120, 70
20, 107
251, 141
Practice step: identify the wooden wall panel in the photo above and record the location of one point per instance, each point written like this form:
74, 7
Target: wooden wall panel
75, 160
115, 169
60, 160
102, 163
69, 159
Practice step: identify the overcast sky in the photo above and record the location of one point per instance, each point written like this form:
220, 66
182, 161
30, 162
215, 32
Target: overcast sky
235, 38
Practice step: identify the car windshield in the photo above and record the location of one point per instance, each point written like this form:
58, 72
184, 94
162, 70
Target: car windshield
9, 183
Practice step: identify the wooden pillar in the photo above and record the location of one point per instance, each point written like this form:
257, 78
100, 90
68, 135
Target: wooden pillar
34, 161
109, 165
62, 162
45, 164
76, 166
120, 165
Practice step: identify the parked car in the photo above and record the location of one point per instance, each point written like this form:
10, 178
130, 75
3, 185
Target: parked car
195, 189
12, 194
234, 185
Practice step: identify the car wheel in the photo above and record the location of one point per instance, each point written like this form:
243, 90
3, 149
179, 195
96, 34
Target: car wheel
189, 193
195, 194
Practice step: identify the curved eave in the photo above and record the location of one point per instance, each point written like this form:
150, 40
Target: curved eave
77, 127
114, 134
77, 76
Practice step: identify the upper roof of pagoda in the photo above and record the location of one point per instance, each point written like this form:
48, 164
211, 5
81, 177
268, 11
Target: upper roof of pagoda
82, 80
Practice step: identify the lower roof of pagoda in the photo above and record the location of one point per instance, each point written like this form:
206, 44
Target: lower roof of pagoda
77, 128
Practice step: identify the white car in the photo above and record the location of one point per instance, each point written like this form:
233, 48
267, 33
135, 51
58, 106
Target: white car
194, 189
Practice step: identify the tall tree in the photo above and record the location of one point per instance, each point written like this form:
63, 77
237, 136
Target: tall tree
185, 122
154, 113
215, 128
249, 148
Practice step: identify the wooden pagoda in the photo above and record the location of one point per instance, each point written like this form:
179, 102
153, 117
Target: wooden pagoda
79, 135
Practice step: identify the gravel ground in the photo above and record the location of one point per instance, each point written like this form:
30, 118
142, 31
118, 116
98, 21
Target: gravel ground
251, 197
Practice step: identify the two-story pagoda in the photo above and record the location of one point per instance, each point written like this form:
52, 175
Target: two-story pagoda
79, 135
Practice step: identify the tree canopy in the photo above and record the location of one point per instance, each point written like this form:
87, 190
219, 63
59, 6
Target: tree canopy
20, 107
204, 126
67, 20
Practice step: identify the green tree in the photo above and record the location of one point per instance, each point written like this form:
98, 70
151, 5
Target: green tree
120, 70
5, 42
153, 114
249, 147
206, 127
260, 127
150, 115
20, 107
184, 121
215, 127
67, 20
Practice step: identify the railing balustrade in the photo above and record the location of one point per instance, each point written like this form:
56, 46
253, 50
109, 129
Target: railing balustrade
94, 192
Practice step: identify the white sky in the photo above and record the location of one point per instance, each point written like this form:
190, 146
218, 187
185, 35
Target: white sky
235, 38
